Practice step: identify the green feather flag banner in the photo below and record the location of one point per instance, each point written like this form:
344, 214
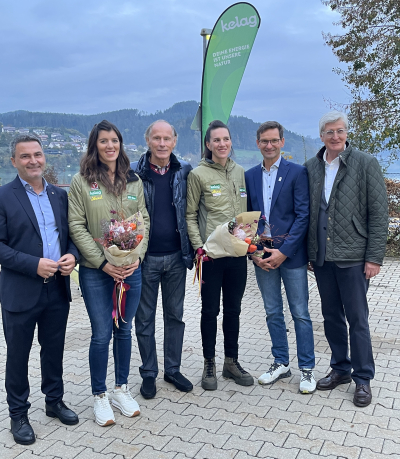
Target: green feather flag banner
226, 58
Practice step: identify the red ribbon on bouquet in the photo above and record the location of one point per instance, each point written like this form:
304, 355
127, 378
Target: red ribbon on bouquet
119, 299
198, 272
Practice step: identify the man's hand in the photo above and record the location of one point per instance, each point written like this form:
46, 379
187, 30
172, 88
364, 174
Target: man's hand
371, 269
66, 264
47, 267
263, 264
276, 258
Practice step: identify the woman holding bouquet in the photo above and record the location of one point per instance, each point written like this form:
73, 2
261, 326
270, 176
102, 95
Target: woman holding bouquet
106, 183
216, 194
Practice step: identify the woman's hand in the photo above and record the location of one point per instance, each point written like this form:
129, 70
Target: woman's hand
117, 273
128, 270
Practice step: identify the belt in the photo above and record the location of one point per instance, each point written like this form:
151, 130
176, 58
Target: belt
50, 279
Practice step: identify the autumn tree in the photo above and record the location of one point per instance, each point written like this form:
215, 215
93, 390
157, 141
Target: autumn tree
50, 174
370, 45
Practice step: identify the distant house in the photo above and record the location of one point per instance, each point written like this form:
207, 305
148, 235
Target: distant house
40, 132
131, 147
23, 130
9, 129
52, 152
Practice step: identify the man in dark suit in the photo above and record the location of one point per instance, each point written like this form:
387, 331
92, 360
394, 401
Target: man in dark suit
36, 258
279, 189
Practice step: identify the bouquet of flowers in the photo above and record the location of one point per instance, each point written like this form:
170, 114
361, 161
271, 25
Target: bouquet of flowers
228, 240
122, 241
232, 239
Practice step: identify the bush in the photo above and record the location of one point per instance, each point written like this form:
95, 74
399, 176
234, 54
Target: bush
393, 242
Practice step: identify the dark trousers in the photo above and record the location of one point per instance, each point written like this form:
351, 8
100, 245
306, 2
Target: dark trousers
343, 294
50, 314
228, 274
170, 272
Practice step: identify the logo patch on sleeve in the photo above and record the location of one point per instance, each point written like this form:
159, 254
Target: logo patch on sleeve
243, 193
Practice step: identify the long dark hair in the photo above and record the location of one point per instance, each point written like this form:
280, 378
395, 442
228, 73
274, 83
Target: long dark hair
93, 170
216, 124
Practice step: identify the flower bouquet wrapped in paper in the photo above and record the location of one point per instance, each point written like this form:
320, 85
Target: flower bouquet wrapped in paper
228, 240
122, 241
232, 239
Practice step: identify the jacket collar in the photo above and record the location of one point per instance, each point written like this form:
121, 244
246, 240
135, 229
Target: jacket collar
144, 163
132, 177
343, 156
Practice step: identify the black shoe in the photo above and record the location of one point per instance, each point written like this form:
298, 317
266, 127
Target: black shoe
179, 381
362, 395
332, 380
63, 413
148, 388
22, 431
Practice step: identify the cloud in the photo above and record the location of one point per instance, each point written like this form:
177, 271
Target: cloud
96, 56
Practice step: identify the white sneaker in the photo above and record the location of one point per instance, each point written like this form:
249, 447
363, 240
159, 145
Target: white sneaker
307, 381
275, 372
102, 410
123, 400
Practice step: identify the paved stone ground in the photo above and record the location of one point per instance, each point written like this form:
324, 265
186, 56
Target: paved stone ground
232, 422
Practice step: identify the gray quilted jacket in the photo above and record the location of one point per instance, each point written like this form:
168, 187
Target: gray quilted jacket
358, 208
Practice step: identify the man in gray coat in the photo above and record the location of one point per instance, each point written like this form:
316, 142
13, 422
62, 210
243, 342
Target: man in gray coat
346, 245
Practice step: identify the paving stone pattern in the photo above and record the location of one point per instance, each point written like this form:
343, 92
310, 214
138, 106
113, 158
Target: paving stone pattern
231, 422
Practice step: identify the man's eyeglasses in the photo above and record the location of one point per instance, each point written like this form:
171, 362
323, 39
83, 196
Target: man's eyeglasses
273, 142
331, 133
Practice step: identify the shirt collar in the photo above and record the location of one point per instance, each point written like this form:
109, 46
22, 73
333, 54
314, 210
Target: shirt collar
335, 161
274, 166
160, 169
27, 186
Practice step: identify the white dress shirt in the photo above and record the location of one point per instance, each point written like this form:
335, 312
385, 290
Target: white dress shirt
269, 179
331, 169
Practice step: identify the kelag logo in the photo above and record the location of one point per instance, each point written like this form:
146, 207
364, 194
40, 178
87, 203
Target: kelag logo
251, 21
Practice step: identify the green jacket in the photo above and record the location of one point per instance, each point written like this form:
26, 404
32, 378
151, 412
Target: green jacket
358, 209
215, 194
88, 206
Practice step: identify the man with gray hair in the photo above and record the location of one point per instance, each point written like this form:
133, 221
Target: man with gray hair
346, 245
168, 256
36, 256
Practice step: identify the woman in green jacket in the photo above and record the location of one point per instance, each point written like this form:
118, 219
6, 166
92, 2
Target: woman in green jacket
216, 194
106, 183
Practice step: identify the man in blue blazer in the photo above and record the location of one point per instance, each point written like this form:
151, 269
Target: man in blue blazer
279, 189
36, 257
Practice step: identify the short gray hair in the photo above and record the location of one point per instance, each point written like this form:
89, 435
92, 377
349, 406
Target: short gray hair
148, 130
20, 138
332, 117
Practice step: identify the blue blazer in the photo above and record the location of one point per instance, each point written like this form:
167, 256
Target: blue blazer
21, 245
289, 214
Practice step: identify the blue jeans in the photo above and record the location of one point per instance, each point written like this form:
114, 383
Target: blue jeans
97, 289
170, 270
296, 286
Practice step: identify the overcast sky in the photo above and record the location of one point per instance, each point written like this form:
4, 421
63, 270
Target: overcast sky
95, 56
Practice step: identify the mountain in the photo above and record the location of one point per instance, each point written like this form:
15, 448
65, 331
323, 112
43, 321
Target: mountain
133, 123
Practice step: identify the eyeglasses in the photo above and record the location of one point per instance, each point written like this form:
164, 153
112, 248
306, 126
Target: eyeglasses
273, 142
331, 133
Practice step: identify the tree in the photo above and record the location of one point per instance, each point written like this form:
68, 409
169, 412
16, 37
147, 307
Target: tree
50, 174
370, 45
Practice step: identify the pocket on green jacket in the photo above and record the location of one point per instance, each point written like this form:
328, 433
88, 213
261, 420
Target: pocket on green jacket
360, 230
